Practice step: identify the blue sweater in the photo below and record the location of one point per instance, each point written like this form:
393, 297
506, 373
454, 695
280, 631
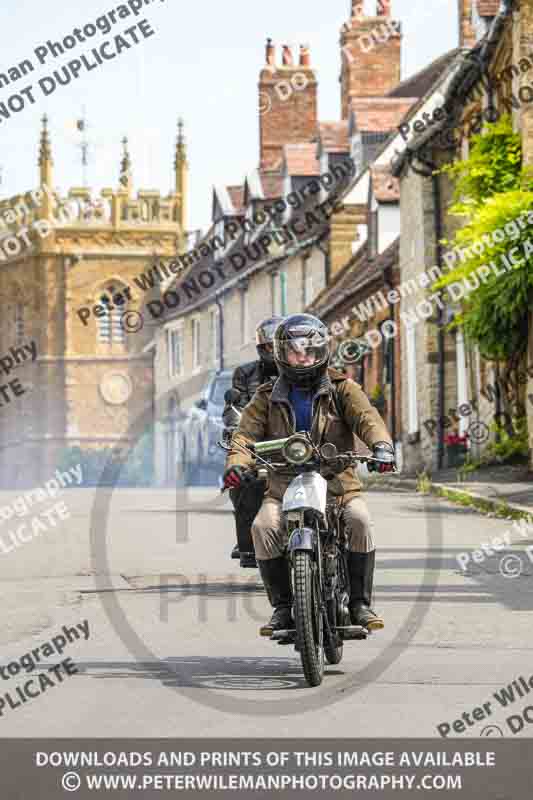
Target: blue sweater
301, 401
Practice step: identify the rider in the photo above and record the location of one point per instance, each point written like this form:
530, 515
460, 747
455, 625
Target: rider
246, 379
309, 396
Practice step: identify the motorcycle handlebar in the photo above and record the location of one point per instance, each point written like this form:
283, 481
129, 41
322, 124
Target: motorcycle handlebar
347, 459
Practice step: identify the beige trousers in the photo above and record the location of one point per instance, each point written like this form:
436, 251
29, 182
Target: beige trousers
270, 535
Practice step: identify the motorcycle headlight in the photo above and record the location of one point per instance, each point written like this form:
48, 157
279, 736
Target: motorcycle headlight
297, 450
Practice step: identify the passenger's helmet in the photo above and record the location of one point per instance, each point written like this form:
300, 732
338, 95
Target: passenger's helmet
264, 338
302, 349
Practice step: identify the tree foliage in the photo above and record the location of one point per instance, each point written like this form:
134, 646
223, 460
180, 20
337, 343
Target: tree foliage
493, 193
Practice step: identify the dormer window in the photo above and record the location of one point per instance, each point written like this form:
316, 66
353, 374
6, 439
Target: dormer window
219, 235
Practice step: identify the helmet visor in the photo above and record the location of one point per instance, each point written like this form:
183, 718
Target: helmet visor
302, 351
265, 332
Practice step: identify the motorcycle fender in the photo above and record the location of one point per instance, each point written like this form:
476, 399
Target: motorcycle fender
301, 539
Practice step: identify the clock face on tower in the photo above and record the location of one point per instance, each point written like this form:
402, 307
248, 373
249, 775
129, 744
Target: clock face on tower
116, 388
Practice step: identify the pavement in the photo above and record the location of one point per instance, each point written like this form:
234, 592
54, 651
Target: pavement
173, 647
510, 484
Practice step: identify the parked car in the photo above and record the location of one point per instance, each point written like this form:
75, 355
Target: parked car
202, 428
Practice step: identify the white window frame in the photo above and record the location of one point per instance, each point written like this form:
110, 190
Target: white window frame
307, 283
196, 325
214, 337
275, 297
287, 190
245, 316
176, 329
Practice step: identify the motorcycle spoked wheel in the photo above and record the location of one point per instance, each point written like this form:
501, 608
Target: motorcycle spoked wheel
308, 618
335, 614
332, 651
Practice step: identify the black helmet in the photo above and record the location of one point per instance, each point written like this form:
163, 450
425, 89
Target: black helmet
264, 338
302, 349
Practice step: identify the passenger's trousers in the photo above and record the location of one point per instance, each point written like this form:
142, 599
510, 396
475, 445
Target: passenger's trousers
246, 501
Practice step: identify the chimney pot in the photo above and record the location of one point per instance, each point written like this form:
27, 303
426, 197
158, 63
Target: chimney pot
305, 56
270, 53
287, 56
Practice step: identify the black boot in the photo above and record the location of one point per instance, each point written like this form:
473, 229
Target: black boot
276, 577
247, 502
248, 561
361, 569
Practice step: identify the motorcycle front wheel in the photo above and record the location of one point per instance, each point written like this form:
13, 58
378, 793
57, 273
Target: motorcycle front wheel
336, 611
333, 649
308, 617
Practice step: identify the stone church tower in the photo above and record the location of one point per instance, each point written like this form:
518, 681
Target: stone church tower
80, 379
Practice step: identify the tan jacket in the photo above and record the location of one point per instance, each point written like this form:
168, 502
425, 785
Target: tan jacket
269, 415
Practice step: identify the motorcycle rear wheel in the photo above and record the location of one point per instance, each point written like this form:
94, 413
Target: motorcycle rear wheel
308, 618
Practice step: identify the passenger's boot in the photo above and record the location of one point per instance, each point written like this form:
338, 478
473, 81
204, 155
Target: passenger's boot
361, 569
248, 560
276, 577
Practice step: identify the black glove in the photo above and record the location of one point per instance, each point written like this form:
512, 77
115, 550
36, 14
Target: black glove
332, 468
233, 477
384, 452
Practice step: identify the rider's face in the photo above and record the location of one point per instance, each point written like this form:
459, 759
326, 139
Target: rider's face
301, 358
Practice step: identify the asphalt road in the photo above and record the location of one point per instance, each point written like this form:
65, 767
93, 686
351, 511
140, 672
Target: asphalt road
173, 648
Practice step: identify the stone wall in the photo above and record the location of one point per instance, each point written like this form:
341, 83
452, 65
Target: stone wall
417, 255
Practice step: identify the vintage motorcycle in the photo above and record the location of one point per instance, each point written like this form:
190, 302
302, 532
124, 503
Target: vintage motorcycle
317, 546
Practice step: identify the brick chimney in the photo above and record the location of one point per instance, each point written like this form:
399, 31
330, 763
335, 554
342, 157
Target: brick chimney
467, 35
371, 54
305, 56
383, 9
287, 103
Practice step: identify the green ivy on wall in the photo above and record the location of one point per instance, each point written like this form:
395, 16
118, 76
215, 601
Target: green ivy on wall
493, 192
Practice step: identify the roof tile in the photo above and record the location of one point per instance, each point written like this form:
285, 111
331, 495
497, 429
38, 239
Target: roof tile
380, 113
301, 159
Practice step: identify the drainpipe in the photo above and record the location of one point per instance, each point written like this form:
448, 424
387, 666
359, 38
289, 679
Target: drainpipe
437, 211
389, 287
283, 292
220, 330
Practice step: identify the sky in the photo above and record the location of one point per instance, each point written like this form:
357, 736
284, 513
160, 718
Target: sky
202, 63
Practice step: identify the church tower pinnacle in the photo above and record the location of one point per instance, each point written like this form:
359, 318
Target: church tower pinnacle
45, 169
181, 168
126, 177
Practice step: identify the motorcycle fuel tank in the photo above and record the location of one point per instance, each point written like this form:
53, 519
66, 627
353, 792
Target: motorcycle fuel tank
306, 491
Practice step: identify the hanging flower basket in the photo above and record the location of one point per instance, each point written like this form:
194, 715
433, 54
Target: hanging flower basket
456, 449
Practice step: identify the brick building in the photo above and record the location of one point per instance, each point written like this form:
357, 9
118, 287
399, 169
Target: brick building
355, 303
296, 150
